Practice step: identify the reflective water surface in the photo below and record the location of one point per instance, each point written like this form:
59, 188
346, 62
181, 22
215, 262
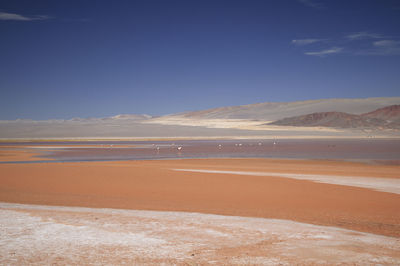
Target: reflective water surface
362, 149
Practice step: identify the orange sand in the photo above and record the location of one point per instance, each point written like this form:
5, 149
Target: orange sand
27, 153
152, 185
10, 153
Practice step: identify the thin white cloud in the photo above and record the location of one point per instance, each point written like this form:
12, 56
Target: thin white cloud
333, 50
17, 17
312, 3
386, 47
362, 35
306, 41
358, 43
386, 43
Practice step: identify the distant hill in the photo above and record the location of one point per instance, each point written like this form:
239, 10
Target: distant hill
132, 117
389, 113
271, 111
350, 115
386, 117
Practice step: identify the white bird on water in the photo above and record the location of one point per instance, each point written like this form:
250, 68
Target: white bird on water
179, 148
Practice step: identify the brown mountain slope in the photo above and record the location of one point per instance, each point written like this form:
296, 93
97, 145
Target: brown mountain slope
387, 117
389, 113
272, 111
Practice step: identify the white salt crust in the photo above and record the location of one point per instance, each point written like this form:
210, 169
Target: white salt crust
33, 234
391, 185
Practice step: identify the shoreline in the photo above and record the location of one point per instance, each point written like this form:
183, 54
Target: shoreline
372, 151
259, 137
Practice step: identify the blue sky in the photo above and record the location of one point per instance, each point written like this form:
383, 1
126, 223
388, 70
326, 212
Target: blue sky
64, 59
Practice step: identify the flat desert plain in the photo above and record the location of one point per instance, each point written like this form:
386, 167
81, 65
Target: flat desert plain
200, 211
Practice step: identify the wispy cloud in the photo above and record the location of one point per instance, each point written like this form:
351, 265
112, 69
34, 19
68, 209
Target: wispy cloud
333, 50
18, 17
386, 47
306, 41
363, 35
358, 43
312, 3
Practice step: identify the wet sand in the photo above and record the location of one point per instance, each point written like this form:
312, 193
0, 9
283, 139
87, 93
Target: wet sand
155, 185
18, 154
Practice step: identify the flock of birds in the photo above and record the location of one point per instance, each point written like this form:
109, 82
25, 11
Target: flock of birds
179, 148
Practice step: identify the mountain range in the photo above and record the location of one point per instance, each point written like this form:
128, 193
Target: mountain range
312, 118
386, 117
273, 111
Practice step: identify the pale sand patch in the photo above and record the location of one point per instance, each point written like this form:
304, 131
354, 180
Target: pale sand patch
391, 185
33, 234
245, 124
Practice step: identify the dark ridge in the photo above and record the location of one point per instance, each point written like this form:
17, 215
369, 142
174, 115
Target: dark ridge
387, 117
389, 113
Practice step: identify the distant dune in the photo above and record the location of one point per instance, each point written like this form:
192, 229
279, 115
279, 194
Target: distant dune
386, 117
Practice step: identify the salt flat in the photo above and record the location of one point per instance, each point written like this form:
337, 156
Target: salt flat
37, 235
